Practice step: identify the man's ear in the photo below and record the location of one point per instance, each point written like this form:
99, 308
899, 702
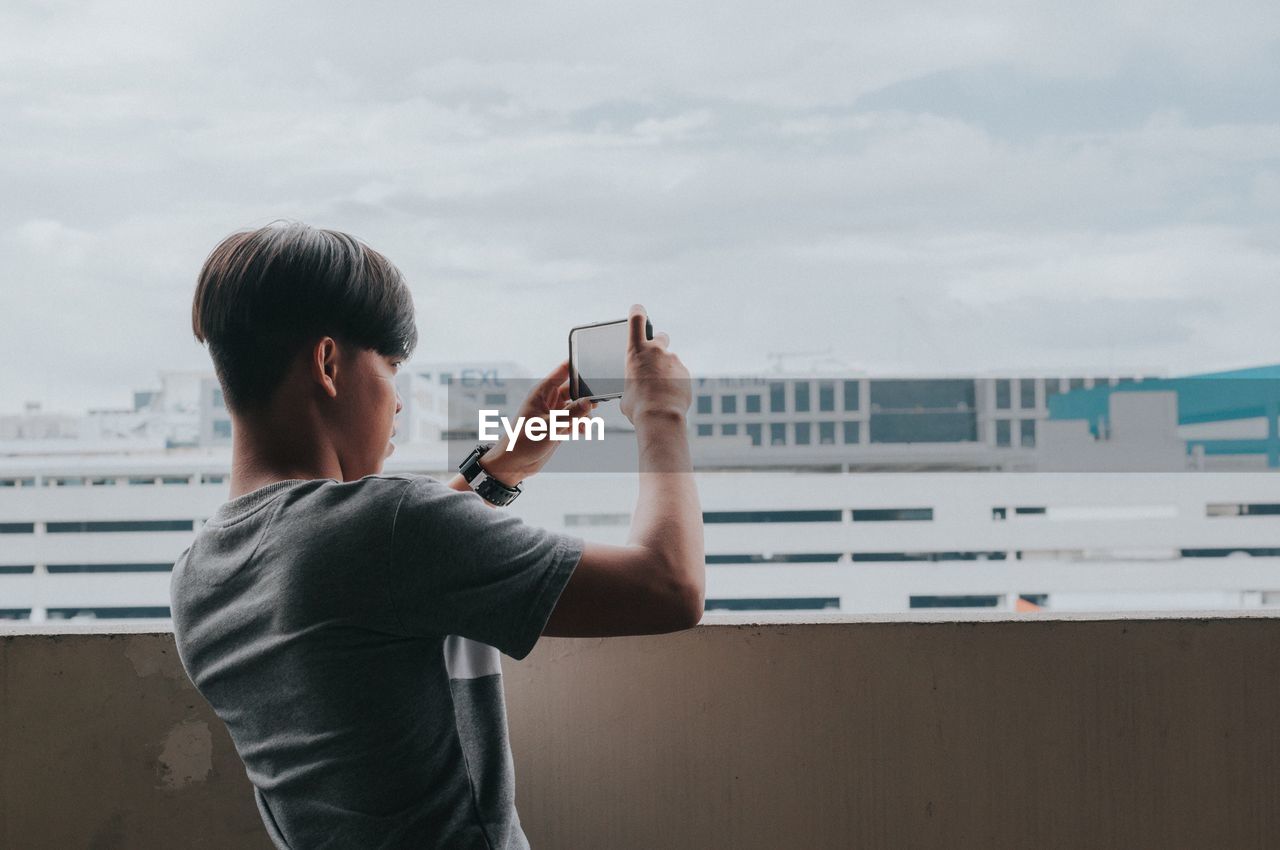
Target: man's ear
323, 364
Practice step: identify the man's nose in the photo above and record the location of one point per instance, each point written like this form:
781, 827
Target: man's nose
399, 403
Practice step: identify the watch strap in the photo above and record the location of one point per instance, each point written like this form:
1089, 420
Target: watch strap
490, 489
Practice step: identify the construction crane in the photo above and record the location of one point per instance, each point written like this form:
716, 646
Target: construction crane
779, 358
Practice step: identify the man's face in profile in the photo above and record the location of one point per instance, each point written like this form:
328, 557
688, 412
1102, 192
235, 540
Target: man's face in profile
367, 406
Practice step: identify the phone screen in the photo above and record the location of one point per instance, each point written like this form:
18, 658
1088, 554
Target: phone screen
597, 360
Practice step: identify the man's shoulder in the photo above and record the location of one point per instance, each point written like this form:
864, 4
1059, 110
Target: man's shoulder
397, 479
378, 498
320, 507
377, 487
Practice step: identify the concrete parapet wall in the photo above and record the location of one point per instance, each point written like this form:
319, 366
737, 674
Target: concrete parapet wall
1134, 733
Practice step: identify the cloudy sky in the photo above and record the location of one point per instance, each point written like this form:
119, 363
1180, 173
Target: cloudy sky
911, 186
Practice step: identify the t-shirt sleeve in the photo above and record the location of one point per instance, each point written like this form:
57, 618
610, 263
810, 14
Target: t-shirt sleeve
460, 567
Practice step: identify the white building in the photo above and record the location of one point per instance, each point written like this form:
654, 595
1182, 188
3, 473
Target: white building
1128, 512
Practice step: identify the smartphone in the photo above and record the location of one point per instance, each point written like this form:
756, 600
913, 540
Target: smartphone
598, 359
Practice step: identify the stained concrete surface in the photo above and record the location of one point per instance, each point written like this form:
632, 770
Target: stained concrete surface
1139, 733
105, 745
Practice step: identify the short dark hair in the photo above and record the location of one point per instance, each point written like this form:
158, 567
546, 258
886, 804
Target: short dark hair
263, 294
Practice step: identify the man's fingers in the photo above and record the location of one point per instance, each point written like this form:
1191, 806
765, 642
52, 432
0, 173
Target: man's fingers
578, 411
636, 337
558, 374
562, 395
661, 339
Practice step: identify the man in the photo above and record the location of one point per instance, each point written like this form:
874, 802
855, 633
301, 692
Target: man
345, 624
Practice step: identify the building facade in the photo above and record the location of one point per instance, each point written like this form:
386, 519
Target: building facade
858, 494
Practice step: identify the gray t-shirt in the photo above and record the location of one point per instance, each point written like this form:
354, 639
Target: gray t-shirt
346, 634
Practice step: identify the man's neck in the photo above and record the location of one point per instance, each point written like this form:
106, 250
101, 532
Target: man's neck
263, 453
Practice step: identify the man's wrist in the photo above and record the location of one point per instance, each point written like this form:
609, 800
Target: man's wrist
498, 464
660, 415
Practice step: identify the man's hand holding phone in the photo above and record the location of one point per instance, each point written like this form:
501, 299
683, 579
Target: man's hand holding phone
657, 581
656, 396
526, 457
656, 382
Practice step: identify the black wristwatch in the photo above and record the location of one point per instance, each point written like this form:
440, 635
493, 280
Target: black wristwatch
490, 489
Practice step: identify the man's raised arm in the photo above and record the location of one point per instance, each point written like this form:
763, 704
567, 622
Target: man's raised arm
657, 581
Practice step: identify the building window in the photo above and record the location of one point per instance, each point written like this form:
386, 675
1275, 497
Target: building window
892, 514
17, 482
755, 431
704, 429
728, 404
934, 557
495, 398
923, 411
803, 433
121, 613
17, 527
729, 429
955, 601
826, 396
1002, 394
777, 434
1028, 428
787, 558
222, 429
827, 433
1236, 509
704, 404
597, 519
777, 397
802, 396
852, 432
928, 427
446, 378
1253, 552
108, 568
1075, 384
851, 395
1027, 388
96, 527
753, 403
799, 603
1003, 433
1052, 386
717, 517
922, 395
65, 481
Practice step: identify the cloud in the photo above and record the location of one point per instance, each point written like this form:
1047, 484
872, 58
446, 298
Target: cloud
914, 186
